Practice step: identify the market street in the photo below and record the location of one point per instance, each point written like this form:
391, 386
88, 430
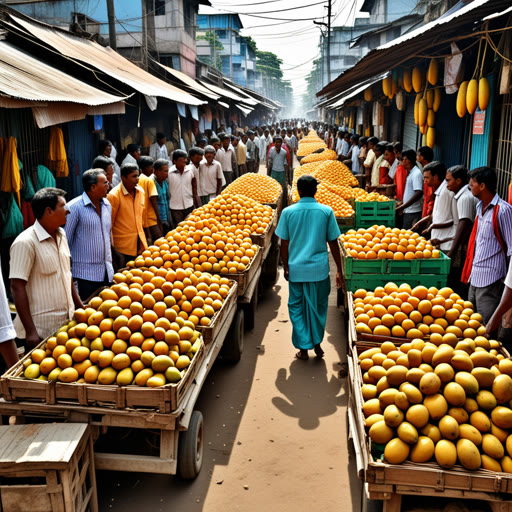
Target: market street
275, 430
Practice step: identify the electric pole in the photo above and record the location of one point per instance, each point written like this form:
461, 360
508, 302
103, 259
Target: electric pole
329, 11
111, 13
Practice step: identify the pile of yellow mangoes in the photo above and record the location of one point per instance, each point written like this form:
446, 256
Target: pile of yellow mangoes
381, 242
448, 401
259, 187
420, 312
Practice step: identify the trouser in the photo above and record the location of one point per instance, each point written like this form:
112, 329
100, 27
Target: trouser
154, 233
485, 299
242, 169
120, 260
87, 288
251, 166
409, 219
228, 176
180, 215
204, 199
307, 307
280, 176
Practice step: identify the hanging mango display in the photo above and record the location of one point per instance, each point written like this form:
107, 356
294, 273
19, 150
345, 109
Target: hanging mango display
407, 80
437, 100
461, 99
484, 94
417, 79
433, 72
472, 96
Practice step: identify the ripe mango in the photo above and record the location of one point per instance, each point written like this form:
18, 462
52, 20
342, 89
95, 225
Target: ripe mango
468, 454
125, 377
32, 371
445, 453
172, 374
396, 451
423, 450
107, 376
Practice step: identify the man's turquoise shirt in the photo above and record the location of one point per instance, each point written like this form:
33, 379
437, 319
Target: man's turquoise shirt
308, 226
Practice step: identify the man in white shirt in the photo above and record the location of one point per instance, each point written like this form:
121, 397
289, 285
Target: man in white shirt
211, 177
412, 204
133, 154
457, 182
196, 156
107, 149
182, 188
251, 152
227, 159
158, 149
353, 154
444, 212
8, 348
262, 147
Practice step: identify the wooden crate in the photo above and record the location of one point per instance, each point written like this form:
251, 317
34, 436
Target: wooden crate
210, 332
246, 277
48, 468
389, 482
265, 238
164, 399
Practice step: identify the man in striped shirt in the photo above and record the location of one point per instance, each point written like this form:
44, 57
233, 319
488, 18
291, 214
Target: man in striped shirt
40, 271
490, 245
88, 228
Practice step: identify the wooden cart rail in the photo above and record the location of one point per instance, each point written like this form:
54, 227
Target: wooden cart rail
265, 238
164, 399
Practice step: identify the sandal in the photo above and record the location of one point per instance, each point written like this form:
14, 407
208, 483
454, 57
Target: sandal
318, 351
303, 355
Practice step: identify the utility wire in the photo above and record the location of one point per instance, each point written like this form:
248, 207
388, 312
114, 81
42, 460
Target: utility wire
279, 10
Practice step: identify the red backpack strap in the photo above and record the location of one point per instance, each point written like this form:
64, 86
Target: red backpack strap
466, 271
496, 228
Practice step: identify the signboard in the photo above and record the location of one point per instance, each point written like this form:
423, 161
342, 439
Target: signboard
479, 122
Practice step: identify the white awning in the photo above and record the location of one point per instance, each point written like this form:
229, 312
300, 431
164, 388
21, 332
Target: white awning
223, 92
106, 60
355, 91
25, 77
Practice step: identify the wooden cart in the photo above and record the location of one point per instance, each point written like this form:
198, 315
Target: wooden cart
180, 428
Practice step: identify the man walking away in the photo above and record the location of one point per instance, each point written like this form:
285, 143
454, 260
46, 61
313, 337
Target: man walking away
160, 175
40, 271
127, 201
306, 265
182, 187
88, 228
413, 193
457, 182
490, 244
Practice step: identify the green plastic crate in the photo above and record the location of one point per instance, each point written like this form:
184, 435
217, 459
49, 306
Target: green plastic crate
435, 266
345, 223
370, 282
368, 214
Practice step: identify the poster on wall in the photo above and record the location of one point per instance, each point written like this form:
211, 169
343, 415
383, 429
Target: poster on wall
479, 122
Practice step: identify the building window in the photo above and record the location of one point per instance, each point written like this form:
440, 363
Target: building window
159, 7
190, 13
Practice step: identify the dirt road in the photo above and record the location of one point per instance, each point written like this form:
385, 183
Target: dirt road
275, 431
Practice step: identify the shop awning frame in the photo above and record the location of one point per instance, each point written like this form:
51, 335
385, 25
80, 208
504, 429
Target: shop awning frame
416, 42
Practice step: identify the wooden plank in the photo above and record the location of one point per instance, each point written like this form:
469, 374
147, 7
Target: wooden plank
209, 332
134, 463
26, 498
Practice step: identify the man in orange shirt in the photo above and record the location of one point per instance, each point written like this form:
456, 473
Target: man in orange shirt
127, 200
151, 219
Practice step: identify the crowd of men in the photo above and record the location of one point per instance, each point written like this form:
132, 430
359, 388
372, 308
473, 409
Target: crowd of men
73, 249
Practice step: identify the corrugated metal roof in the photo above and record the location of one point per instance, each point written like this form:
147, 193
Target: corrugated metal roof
23, 76
223, 92
190, 82
106, 60
398, 50
354, 92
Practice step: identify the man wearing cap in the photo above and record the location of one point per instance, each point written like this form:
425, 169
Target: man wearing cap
306, 265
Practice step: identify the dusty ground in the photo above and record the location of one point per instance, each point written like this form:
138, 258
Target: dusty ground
275, 430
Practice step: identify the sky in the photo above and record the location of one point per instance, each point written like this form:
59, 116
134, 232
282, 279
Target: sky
295, 42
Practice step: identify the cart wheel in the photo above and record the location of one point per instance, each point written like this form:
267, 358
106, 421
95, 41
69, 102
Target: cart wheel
234, 344
250, 309
190, 448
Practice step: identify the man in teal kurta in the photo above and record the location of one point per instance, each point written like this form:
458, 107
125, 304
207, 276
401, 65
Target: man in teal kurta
305, 230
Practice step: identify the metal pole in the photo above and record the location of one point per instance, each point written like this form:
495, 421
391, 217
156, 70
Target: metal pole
329, 11
111, 13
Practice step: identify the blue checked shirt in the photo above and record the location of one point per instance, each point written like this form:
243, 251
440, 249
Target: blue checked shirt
89, 239
489, 262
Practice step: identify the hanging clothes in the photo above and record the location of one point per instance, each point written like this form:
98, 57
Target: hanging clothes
13, 224
45, 178
10, 178
57, 160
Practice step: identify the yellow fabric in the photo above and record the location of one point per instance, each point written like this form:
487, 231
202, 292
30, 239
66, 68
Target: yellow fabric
10, 180
149, 187
57, 160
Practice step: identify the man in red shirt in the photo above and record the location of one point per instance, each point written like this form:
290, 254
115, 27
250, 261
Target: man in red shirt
424, 156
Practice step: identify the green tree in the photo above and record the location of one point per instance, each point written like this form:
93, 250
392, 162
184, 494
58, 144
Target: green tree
215, 48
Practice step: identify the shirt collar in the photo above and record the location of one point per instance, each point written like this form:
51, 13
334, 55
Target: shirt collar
461, 191
307, 200
440, 188
87, 200
42, 234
